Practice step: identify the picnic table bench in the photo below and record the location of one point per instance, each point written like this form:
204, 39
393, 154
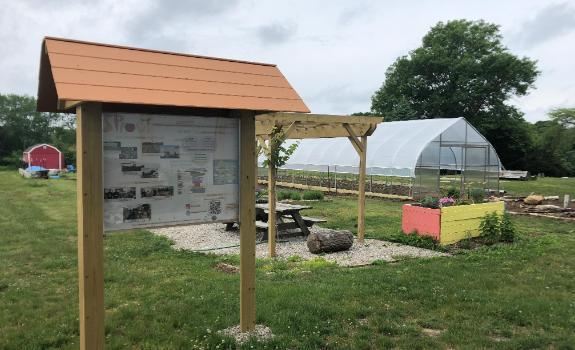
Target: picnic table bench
288, 218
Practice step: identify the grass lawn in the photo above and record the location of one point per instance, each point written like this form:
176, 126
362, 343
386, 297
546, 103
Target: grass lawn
507, 297
547, 186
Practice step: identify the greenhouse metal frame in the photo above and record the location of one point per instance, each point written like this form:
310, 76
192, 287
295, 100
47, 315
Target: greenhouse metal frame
434, 154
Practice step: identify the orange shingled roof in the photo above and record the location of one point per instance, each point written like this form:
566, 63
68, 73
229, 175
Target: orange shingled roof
82, 71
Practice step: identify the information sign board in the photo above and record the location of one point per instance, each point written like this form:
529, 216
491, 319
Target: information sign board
162, 170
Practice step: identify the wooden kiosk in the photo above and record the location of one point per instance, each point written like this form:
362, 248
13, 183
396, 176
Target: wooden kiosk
92, 79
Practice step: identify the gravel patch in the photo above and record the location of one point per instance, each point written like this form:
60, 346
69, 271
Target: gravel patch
213, 238
261, 333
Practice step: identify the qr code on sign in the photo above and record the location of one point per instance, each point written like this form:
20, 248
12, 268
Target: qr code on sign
215, 207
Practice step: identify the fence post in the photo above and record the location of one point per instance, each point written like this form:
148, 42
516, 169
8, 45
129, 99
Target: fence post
335, 178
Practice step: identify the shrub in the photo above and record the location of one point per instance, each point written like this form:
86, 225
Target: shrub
313, 195
498, 229
453, 192
430, 202
283, 195
507, 230
477, 195
489, 227
413, 239
295, 196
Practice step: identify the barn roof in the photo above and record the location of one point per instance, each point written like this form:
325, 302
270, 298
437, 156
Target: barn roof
27, 150
73, 70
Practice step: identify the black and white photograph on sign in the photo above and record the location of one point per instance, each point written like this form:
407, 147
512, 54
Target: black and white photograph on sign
128, 152
150, 173
112, 146
141, 212
162, 170
151, 147
119, 193
157, 192
170, 151
132, 168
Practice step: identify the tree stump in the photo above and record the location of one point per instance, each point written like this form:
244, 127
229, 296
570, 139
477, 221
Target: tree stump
329, 241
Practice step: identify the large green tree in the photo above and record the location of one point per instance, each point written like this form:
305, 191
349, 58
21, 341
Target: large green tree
462, 70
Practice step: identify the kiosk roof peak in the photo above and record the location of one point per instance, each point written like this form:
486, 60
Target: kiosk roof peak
72, 70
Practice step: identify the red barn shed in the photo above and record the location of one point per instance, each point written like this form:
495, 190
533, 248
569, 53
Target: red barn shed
44, 155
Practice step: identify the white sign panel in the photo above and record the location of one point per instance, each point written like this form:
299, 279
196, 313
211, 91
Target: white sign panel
162, 170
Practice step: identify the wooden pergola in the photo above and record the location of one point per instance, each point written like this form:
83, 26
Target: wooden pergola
310, 126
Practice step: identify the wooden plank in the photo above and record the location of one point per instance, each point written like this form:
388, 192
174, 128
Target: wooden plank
261, 224
107, 94
247, 221
313, 220
353, 138
85, 77
150, 56
90, 225
461, 222
290, 129
285, 117
300, 222
361, 190
156, 70
465, 212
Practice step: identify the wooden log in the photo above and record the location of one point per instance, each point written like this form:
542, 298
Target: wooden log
329, 241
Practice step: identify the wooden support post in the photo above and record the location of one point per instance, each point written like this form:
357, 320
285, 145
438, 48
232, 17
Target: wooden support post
89, 202
361, 194
247, 221
272, 228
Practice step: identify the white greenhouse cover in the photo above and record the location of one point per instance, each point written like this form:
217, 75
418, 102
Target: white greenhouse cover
394, 148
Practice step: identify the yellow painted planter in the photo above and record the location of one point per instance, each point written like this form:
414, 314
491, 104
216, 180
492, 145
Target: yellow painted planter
463, 221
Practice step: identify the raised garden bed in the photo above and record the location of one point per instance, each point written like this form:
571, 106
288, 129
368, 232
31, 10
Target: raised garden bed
447, 225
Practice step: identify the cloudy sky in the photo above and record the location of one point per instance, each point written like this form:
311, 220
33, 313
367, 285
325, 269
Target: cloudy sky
334, 53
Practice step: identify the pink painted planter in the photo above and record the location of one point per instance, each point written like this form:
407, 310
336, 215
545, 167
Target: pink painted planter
426, 221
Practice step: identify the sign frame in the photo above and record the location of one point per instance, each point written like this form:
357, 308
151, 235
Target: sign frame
90, 213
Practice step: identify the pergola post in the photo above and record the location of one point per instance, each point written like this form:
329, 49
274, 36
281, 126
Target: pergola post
272, 217
272, 170
361, 194
90, 225
247, 213
360, 145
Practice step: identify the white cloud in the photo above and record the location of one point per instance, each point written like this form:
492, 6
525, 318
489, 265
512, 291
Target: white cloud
334, 53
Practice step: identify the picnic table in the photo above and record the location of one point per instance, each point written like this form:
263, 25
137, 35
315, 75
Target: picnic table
288, 218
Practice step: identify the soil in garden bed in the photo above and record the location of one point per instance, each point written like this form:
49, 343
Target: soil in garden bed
517, 206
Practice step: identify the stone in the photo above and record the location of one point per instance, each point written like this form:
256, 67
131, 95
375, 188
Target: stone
533, 199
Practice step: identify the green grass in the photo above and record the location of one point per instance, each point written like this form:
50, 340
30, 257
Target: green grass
547, 186
505, 296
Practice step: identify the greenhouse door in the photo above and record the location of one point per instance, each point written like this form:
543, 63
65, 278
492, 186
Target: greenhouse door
475, 168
